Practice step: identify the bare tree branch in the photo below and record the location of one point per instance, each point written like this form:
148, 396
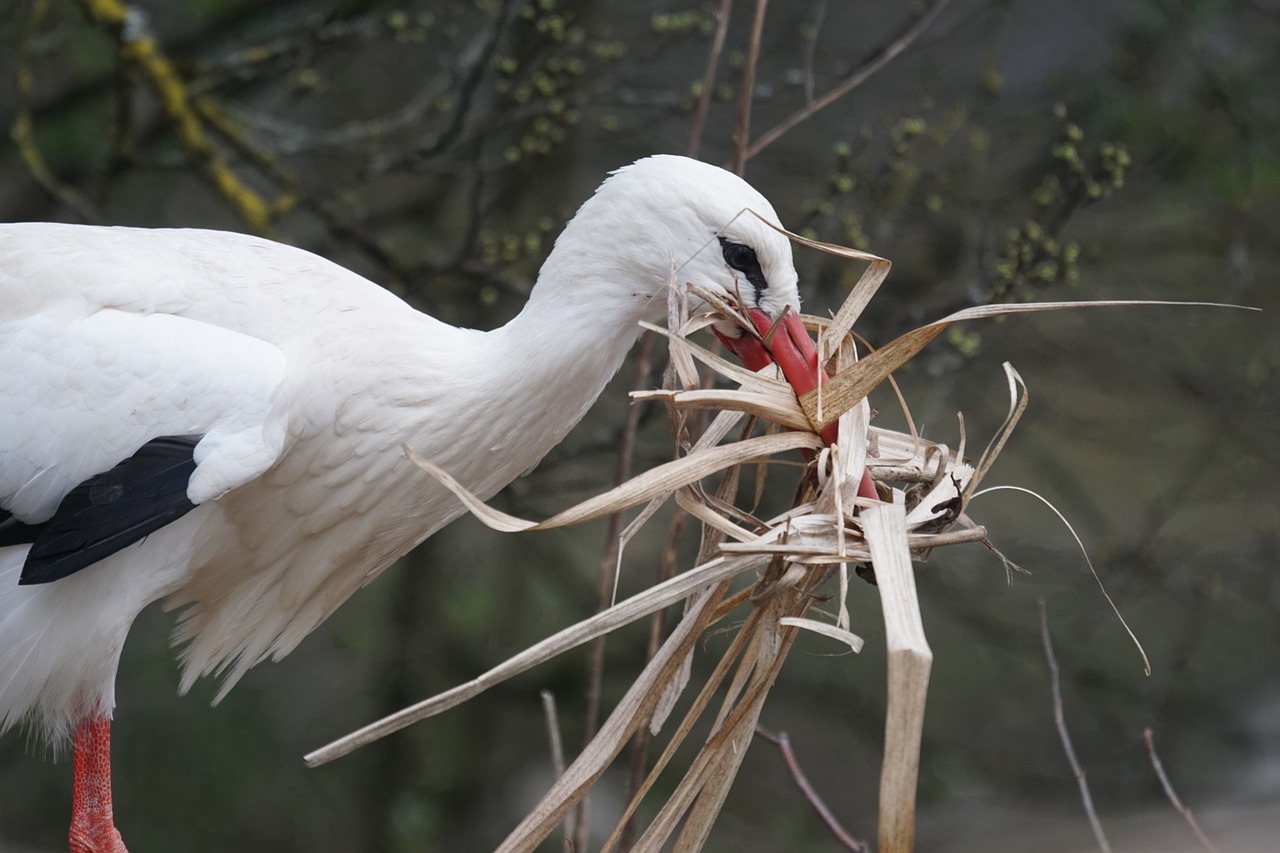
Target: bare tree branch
469, 83
709, 77
595, 657
557, 757
811, 49
742, 130
1169, 792
783, 741
23, 128
140, 48
850, 83
1060, 720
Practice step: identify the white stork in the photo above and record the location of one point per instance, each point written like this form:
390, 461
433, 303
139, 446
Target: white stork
216, 420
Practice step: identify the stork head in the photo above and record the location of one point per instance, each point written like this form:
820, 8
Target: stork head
675, 221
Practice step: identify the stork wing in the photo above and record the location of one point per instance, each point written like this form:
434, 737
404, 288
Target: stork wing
113, 424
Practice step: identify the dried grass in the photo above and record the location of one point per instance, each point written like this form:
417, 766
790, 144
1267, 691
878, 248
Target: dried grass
925, 488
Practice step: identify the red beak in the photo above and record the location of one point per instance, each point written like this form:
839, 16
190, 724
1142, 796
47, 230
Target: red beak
789, 346
786, 344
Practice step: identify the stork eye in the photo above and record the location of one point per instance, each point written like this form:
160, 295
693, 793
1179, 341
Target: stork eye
741, 258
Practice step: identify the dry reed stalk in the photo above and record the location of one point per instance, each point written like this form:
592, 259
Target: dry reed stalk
924, 486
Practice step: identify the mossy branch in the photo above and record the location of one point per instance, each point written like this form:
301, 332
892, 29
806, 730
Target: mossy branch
23, 129
142, 50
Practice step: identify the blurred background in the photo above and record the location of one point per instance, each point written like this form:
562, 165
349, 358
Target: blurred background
994, 150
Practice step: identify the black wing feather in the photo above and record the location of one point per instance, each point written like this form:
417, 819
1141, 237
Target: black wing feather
14, 532
110, 510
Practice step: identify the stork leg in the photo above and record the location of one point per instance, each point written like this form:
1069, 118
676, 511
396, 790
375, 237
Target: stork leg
92, 825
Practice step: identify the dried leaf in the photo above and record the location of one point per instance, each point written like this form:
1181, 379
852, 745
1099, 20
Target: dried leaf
846, 388
781, 408
664, 479
596, 757
910, 660
853, 641
655, 598
1017, 405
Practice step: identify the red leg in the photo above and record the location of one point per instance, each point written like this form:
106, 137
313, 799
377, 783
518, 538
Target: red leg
92, 826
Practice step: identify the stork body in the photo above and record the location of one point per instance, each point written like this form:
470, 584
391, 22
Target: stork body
246, 403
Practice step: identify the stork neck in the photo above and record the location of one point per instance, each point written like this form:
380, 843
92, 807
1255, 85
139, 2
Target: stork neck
534, 378
571, 338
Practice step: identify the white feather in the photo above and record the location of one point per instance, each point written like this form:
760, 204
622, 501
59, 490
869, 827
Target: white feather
305, 380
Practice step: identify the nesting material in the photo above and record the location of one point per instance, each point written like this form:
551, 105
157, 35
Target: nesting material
764, 575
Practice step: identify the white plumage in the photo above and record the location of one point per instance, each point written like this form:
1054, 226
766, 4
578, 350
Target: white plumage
301, 381
304, 380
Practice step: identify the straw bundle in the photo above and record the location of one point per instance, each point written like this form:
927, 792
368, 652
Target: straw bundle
924, 489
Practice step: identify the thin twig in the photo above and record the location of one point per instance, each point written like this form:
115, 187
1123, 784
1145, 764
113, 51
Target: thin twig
141, 51
850, 83
608, 566
811, 49
742, 130
783, 741
469, 84
657, 634
636, 771
557, 758
694, 425
1060, 720
23, 129
1172, 794
709, 77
